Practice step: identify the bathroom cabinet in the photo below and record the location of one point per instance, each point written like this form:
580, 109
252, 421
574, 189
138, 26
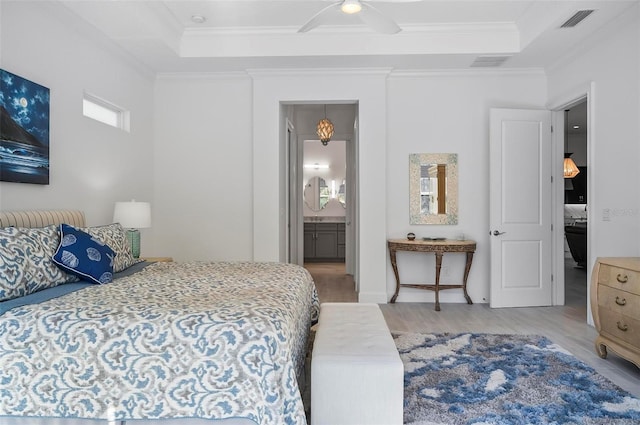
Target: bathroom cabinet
324, 242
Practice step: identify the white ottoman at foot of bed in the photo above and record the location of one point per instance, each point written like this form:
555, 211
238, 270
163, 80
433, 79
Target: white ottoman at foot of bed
357, 376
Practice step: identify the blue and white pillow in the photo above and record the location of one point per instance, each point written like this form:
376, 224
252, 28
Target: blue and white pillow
25, 261
83, 255
14, 265
115, 236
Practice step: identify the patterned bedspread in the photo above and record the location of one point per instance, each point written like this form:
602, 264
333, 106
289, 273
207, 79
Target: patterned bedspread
176, 340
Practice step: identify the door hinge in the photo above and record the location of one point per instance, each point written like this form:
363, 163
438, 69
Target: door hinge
552, 129
551, 179
552, 227
551, 277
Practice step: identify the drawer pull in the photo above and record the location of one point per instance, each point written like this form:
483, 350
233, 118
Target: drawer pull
621, 301
622, 327
622, 279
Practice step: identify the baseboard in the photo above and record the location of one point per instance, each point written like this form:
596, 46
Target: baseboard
373, 297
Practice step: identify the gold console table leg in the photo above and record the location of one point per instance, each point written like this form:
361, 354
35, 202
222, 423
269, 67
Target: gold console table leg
467, 268
437, 288
394, 266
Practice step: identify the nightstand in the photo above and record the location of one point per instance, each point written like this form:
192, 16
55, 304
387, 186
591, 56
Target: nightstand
615, 304
157, 259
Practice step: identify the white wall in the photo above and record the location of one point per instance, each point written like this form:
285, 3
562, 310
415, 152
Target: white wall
610, 63
92, 165
203, 167
448, 113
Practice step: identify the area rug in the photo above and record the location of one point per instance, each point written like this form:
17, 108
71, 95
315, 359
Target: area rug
505, 379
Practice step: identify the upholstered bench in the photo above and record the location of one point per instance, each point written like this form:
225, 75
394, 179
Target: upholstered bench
357, 376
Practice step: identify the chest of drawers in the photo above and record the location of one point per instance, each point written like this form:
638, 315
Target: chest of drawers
615, 304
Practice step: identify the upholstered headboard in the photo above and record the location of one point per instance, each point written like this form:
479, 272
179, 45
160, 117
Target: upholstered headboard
41, 218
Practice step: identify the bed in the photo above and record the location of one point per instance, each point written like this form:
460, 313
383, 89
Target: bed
163, 343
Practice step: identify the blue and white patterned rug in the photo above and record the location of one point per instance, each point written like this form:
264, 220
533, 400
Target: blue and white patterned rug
483, 379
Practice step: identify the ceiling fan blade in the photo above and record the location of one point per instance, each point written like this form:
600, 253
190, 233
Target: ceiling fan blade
319, 18
377, 20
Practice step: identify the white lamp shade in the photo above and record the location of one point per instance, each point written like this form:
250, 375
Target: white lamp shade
132, 214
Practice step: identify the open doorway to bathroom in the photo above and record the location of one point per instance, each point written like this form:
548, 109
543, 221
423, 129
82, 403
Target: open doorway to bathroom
324, 201
323, 196
575, 207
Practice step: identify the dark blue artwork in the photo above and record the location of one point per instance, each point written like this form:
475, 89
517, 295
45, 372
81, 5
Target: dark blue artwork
24, 130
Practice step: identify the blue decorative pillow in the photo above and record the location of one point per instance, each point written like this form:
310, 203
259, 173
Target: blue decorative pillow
86, 257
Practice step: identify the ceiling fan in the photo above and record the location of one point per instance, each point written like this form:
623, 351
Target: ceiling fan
368, 14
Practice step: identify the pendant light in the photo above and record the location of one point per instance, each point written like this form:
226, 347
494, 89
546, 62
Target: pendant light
324, 129
570, 168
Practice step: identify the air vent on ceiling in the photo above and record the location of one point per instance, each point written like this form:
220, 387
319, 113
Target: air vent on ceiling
576, 18
489, 61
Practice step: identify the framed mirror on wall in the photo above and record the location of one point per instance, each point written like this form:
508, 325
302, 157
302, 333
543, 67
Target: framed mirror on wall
316, 194
433, 188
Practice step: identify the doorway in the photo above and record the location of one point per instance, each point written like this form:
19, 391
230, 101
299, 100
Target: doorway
575, 206
322, 186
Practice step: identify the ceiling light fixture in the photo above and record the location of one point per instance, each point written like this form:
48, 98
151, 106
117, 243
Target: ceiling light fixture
317, 166
351, 6
198, 19
324, 129
570, 168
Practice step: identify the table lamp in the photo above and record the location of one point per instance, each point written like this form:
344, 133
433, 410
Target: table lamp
132, 216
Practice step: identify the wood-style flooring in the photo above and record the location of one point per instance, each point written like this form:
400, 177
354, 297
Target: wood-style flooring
565, 325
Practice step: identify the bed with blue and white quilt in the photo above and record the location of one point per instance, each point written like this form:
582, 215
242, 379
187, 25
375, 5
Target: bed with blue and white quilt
166, 342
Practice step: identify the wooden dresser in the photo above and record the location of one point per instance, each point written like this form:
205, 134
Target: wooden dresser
615, 304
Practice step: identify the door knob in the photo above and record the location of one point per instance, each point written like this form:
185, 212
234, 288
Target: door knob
496, 233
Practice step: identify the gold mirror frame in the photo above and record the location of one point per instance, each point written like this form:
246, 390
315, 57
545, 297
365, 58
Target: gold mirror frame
450, 161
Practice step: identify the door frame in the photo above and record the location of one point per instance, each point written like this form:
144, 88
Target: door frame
294, 158
557, 107
294, 249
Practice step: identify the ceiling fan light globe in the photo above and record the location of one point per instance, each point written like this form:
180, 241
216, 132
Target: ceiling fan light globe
351, 6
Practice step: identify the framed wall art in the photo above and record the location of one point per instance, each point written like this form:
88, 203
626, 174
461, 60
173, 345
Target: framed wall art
24, 130
433, 188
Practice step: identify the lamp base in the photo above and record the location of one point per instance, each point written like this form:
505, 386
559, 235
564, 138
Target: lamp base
133, 236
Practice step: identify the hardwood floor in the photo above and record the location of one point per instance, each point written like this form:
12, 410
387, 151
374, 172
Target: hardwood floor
565, 325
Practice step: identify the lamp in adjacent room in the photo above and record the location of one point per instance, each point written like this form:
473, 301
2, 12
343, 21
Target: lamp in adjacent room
132, 216
570, 168
324, 129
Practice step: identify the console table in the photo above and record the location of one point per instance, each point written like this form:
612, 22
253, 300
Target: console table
438, 247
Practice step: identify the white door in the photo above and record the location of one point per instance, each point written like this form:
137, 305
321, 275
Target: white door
520, 208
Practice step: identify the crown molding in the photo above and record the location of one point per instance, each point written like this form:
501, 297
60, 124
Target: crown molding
472, 72
318, 72
492, 27
235, 75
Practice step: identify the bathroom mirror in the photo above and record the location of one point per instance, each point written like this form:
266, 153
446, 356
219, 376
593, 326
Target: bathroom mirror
342, 198
316, 194
433, 188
